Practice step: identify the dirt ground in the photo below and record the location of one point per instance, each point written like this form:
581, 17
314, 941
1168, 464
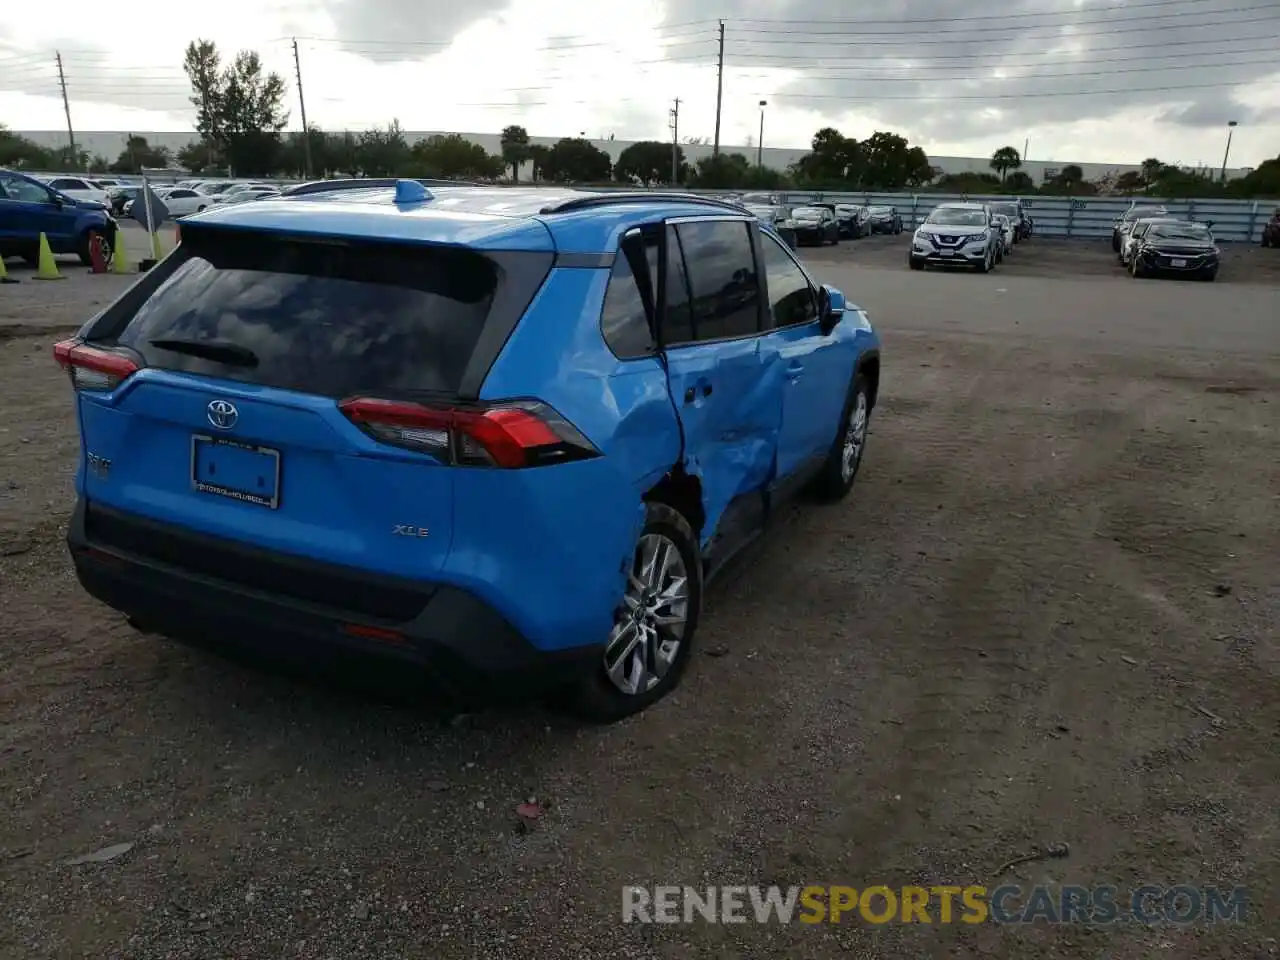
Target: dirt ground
1054, 257
1047, 614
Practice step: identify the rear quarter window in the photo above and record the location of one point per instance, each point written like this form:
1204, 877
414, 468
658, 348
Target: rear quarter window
624, 320
329, 317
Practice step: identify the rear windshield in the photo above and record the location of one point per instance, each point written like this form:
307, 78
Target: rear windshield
332, 318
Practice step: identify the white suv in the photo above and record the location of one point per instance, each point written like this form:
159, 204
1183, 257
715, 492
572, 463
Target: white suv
957, 234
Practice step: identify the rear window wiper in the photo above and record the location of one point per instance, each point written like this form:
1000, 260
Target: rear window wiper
219, 351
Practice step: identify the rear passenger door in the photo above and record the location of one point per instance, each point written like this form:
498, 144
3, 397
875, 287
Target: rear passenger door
729, 396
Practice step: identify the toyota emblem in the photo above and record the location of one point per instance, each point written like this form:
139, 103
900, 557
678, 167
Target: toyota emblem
223, 414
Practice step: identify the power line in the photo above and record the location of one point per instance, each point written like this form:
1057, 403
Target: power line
842, 21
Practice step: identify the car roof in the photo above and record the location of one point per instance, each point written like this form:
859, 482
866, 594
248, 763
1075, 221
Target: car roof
960, 205
562, 219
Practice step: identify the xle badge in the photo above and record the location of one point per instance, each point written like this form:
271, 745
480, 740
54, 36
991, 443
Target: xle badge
404, 530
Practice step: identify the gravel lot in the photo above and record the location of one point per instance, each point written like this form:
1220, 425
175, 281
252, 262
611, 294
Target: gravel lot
1048, 614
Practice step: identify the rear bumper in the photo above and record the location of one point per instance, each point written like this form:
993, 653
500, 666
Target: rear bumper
463, 644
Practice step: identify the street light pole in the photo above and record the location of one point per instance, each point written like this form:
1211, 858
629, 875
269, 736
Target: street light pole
760, 141
1231, 125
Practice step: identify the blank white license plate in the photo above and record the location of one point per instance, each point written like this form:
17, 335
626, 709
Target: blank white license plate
1177, 263
948, 253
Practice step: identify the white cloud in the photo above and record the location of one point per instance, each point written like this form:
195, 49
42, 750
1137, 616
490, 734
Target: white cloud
604, 67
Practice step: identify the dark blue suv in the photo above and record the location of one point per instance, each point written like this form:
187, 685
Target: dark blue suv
505, 433
29, 208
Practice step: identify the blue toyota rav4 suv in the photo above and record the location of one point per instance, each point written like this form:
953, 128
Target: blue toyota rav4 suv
507, 434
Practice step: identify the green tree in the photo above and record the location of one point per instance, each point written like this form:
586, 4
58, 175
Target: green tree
239, 108
451, 156
253, 114
293, 152
1130, 182
1151, 170
834, 160
647, 162
1019, 182
137, 153
726, 171
917, 168
381, 153
538, 154
1004, 160
576, 160
203, 66
19, 152
515, 149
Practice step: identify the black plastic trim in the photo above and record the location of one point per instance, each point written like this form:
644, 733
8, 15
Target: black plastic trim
464, 642
366, 183
585, 261
523, 274
610, 199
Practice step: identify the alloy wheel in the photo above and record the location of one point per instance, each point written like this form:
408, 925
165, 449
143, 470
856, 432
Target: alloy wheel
855, 437
650, 622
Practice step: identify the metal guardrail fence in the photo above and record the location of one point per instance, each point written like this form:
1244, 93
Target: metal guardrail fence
1234, 221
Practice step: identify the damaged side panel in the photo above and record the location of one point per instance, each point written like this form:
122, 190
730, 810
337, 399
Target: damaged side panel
730, 400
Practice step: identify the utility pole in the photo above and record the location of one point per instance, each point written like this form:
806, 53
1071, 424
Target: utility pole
715, 149
675, 142
302, 103
66, 108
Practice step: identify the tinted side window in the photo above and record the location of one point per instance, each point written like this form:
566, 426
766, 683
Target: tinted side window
623, 321
790, 296
722, 278
24, 190
677, 321
65, 183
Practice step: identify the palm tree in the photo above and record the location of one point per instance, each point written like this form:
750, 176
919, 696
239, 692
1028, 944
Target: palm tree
1004, 160
515, 149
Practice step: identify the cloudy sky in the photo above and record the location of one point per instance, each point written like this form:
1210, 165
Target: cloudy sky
1084, 80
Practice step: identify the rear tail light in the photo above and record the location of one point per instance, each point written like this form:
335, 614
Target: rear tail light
522, 433
92, 368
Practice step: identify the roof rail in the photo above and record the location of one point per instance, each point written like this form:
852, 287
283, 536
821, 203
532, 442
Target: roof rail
367, 183
639, 196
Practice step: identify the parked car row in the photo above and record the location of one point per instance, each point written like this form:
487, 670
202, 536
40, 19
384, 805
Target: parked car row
1153, 244
818, 222
974, 235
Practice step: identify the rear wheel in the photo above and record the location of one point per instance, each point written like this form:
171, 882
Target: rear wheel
648, 649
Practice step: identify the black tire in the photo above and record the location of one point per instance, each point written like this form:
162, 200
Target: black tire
915, 264
596, 698
831, 483
1135, 271
985, 266
1115, 241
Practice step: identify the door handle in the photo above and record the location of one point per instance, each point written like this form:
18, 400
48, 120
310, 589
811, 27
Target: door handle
689, 395
794, 371
706, 389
